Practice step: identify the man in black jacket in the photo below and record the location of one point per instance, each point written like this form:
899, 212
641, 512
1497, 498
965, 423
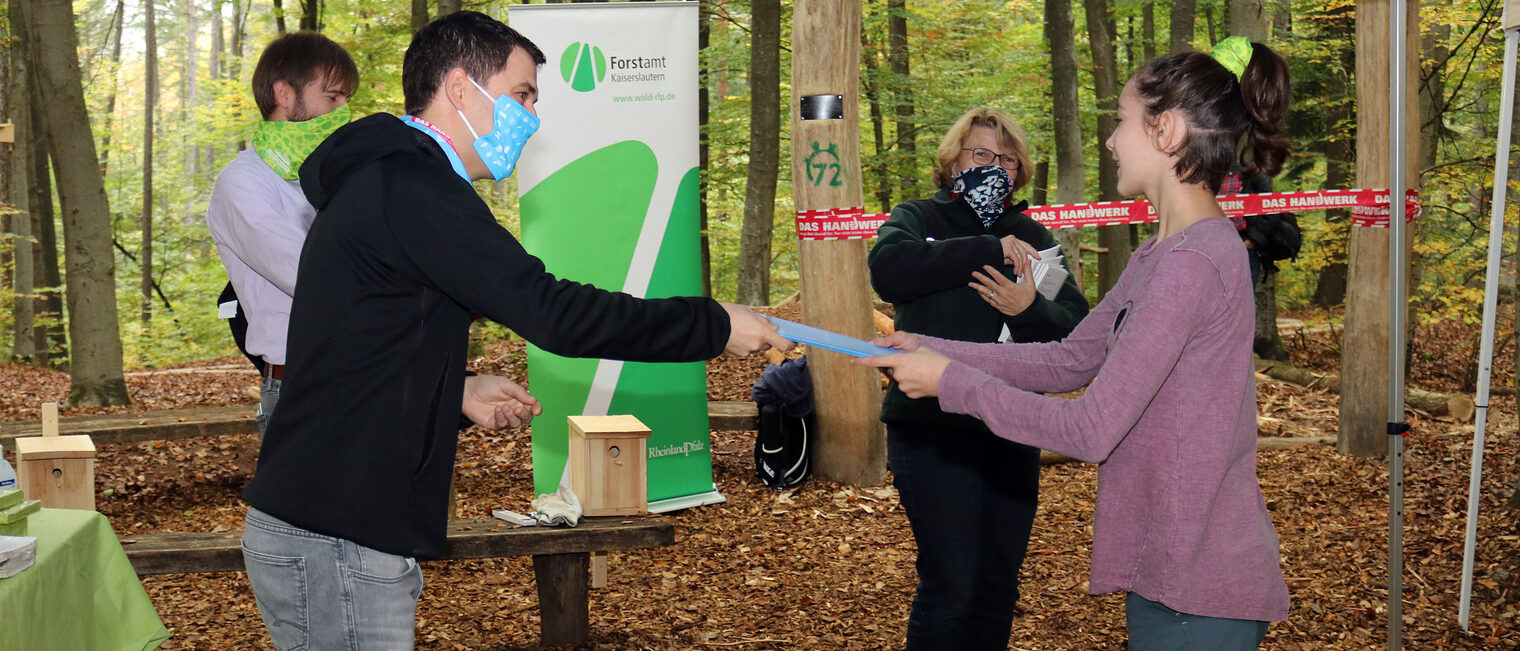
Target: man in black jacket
353, 477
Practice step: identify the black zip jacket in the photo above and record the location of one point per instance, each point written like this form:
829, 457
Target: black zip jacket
921, 264
401, 254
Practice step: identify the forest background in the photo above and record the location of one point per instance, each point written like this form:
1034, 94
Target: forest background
166, 88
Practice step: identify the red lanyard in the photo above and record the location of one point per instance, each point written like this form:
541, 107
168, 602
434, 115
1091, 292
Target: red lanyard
434, 129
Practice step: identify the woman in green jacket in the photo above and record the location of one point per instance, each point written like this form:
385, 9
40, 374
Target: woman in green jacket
948, 265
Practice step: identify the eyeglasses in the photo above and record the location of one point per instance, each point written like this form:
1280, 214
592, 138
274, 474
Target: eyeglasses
986, 157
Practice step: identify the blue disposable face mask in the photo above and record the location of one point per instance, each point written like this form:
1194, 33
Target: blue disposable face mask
499, 148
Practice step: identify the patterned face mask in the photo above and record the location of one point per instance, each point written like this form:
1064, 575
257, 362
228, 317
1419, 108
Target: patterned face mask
985, 189
500, 147
285, 145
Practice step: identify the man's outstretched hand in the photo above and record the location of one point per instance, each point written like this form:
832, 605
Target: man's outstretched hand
494, 402
751, 333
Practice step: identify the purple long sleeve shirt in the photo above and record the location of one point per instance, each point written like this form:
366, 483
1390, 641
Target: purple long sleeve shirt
1170, 416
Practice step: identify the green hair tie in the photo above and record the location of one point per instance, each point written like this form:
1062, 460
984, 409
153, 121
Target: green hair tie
1234, 53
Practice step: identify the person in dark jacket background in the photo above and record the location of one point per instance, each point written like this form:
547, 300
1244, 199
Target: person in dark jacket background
947, 264
353, 477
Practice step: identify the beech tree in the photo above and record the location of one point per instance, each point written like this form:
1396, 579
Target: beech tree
1116, 242
1067, 123
764, 153
94, 335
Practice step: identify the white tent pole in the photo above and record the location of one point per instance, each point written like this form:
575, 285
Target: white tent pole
1396, 308
1490, 312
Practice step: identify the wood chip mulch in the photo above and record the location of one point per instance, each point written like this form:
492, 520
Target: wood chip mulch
829, 566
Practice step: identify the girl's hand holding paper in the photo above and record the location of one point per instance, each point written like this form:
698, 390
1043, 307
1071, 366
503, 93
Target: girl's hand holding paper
916, 372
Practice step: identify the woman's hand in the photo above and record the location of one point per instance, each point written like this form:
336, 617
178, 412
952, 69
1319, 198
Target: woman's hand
1017, 252
917, 373
1002, 294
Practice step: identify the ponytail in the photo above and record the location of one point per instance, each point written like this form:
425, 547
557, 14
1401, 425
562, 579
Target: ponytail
1234, 106
1265, 90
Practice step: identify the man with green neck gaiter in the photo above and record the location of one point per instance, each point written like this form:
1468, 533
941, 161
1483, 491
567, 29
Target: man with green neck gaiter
258, 215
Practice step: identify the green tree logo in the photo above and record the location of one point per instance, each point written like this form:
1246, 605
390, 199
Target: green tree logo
583, 66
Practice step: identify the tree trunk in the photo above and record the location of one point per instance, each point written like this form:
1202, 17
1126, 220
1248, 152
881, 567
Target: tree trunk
1433, 99
1129, 47
1184, 13
279, 15
95, 359
214, 72
1148, 29
419, 14
311, 15
1039, 183
117, 23
764, 152
1117, 240
239, 37
1365, 342
872, 86
446, 7
1282, 18
898, 61
1208, 19
190, 84
218, 42
7, 243
25, 341
704, 107
1268, 343
1070, 173
50, 334
150, 100
850, 445
1340, 157
1248, 18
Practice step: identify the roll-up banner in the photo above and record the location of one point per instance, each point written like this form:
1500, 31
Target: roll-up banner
609, 197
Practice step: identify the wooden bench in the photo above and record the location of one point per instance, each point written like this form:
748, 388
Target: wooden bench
238, 419
561, 558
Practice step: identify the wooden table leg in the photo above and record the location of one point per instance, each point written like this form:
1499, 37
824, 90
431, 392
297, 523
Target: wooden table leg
563, 609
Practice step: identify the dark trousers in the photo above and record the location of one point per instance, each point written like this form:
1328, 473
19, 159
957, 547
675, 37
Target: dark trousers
970, 498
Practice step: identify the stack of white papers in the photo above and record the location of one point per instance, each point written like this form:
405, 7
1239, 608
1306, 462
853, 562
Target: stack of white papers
16, 553
1047, 272
1048, 276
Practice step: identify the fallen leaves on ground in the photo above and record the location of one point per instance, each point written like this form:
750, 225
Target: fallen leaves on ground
829, 566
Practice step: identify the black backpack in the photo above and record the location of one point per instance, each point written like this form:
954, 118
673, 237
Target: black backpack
1277, 236
782, 458
784, 395
238, 323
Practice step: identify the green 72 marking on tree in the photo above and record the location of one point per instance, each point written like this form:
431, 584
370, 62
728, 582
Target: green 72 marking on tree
820, 162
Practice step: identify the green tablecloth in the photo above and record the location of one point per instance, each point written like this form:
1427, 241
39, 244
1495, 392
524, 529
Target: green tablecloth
81, 594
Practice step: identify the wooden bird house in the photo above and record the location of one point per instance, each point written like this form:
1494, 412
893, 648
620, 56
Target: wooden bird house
607, 464
58, 470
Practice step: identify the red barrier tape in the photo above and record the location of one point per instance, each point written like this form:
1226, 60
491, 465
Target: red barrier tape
838, 224
1369, 208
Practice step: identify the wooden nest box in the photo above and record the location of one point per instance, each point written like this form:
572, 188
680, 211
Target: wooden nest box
59, 470
607, 464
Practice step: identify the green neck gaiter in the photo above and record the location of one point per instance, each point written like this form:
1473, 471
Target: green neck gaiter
285, 145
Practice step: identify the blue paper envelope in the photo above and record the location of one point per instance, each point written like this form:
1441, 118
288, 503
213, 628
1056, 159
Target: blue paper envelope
834, 341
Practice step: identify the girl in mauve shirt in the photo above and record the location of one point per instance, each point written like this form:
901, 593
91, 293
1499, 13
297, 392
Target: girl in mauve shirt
1170, 407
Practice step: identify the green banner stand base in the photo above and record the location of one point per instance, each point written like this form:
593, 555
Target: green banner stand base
687, 501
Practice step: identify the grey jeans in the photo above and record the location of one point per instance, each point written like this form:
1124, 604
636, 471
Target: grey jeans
1152, 626
269, 396
320, 592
